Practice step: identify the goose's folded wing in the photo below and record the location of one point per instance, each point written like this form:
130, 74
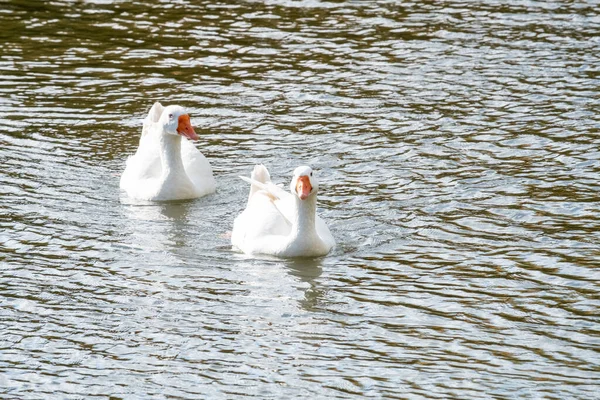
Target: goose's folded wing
152, 117
274, 191
281, 199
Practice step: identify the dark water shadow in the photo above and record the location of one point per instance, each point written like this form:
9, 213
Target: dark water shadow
308, 270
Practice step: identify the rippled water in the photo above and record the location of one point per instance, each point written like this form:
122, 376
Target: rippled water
458, 146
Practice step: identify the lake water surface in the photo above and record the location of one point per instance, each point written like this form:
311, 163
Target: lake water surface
458, 148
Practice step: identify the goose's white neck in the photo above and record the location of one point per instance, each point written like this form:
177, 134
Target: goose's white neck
303, 224
170, 155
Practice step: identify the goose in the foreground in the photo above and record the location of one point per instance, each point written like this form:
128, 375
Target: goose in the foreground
165, 167
279, 223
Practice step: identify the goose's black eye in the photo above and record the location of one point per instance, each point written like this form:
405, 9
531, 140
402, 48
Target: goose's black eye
311, 174
170, 116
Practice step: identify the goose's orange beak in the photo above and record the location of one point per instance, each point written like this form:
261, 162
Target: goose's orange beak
185, 128
303, 187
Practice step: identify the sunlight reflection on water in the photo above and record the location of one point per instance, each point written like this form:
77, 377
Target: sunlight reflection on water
457, 144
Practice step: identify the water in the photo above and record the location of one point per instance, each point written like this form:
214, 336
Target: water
457, 145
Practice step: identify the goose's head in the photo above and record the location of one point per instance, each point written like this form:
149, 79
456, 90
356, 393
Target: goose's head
176, 121
304, 184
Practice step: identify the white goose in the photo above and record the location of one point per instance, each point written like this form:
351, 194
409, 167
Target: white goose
164, 167
279, 223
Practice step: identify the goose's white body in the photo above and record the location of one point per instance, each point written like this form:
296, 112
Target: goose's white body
280, 223
165, 165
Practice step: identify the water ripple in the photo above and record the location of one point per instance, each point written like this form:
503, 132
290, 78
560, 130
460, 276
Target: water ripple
457, 149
